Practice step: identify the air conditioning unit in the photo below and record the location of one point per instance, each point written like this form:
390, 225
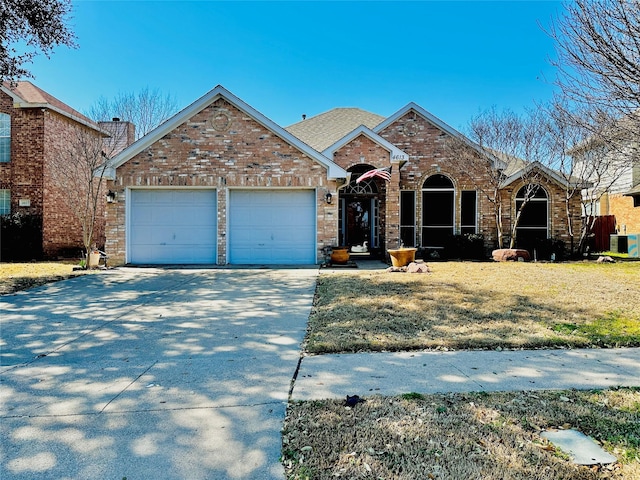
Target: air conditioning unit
633, 245
618, 243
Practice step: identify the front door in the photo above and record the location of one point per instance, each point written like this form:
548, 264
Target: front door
359, 220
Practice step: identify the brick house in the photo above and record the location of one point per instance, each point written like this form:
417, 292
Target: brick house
221, 183
34, 127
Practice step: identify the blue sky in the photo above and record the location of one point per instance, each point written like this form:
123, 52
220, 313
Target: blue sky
454, 58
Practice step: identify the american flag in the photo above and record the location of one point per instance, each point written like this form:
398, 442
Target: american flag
383, 173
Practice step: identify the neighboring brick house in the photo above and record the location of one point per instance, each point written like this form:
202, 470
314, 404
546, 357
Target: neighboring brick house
35, 129
221, 183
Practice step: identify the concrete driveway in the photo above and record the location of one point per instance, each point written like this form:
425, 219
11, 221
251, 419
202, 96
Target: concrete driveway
150, 374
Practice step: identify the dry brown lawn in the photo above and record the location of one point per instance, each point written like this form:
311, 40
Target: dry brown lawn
467, 305
460, 436
21, 276
476, 435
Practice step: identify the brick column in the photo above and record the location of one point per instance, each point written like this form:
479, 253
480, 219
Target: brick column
392, 217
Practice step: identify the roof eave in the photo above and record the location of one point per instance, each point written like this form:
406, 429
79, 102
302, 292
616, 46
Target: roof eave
439, 124
394, 152
19, 102
519, 174
333, 170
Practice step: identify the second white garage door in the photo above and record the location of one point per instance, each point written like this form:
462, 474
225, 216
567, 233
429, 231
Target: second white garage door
272, 227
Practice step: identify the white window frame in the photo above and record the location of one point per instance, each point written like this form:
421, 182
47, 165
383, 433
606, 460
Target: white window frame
5, 201
475, 215
5, 132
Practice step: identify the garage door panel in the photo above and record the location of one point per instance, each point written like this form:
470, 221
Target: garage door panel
271, 227
173, 226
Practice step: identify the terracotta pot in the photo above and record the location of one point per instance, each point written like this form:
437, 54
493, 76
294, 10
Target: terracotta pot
340, 255
402, 257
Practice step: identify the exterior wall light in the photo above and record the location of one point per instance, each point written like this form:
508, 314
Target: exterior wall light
111, 196
328, 198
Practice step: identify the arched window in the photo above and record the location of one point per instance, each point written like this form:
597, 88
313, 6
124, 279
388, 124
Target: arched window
438, 218
534, 219
5, 138
366, 187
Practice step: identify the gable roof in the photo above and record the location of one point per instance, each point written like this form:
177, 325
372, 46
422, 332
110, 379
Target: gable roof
323, 130
518, 173
394, 152
26, 95
437, 123
333, 170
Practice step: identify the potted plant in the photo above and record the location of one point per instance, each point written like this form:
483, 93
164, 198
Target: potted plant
339, 255
94, 258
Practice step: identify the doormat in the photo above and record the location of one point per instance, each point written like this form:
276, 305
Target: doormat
349, 264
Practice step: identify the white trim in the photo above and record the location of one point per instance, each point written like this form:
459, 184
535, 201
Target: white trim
333, 170
5, 201
435, 121
518, 175
129, 205
229, 192
127, 227
395, 154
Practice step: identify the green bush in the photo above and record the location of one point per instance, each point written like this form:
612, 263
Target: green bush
20, 237
545, 248
468, 246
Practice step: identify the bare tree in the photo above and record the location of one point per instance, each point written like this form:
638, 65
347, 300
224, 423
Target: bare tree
28, 27
507, 147
82, 163
598, 47
591, 153
79, 172
146, 109
79, 175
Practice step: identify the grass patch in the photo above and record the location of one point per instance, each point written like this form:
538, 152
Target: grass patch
21, 276
477, 305
455, 436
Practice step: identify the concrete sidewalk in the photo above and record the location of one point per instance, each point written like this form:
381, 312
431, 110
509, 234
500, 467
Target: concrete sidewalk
335, 376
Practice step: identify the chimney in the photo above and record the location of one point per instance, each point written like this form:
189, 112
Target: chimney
121, 135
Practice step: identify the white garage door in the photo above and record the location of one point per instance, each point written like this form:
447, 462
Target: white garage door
173, 227
272, 227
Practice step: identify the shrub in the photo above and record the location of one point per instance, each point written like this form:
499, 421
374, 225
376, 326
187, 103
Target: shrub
468, 246
545, 248
20, 237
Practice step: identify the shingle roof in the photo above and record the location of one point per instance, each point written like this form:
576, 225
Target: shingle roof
34, 97
322, 131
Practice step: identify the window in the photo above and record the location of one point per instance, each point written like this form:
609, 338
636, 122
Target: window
533, 224
438, 217
468, 212
5, 138
408, 218
5, 202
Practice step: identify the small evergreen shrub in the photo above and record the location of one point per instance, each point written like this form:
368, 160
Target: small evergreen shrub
20, 237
